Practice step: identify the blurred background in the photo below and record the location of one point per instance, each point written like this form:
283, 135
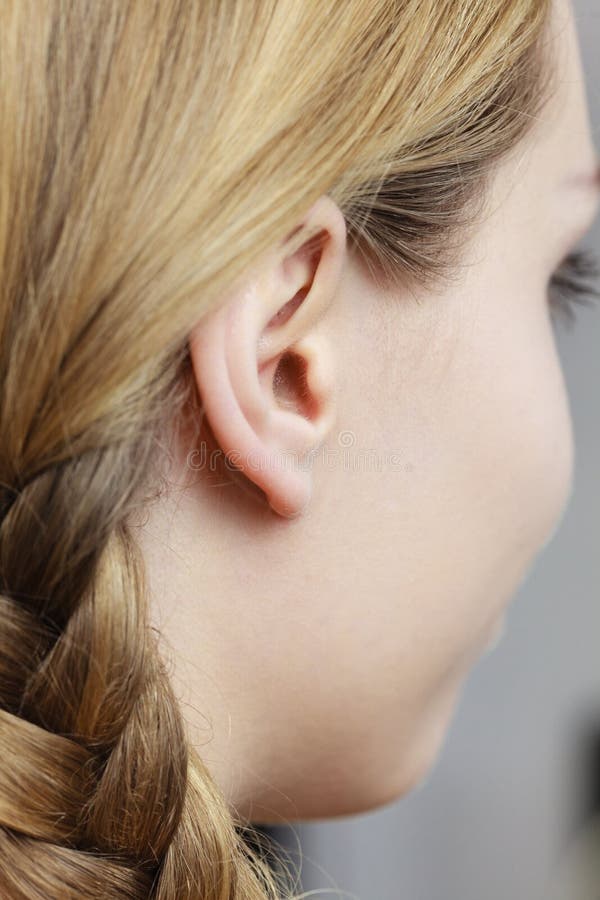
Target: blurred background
502, 815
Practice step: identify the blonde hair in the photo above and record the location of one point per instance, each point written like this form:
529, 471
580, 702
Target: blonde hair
150, 152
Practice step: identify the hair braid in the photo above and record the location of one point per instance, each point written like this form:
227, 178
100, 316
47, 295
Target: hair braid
96, 765
36, 870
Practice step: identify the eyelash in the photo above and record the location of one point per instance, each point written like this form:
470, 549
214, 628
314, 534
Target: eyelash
574, 284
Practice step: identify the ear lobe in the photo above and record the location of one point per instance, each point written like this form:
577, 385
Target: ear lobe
265, 371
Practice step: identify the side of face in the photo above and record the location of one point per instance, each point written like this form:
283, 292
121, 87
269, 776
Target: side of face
319, 658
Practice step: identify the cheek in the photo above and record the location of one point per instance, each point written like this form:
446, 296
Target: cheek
525, 447
486, 432
483, 423
495, 466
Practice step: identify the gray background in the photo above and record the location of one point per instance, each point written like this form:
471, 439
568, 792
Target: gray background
493, 818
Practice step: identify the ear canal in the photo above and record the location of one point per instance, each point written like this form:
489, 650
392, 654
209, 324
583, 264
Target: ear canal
290, 386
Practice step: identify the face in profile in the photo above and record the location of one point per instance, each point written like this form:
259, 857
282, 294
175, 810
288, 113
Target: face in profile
319, 658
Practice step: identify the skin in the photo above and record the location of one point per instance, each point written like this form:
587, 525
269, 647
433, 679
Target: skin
319, 642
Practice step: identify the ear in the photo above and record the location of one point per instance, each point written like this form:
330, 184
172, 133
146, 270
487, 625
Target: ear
263, 367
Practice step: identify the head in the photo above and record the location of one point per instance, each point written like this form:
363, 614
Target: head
283, 423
